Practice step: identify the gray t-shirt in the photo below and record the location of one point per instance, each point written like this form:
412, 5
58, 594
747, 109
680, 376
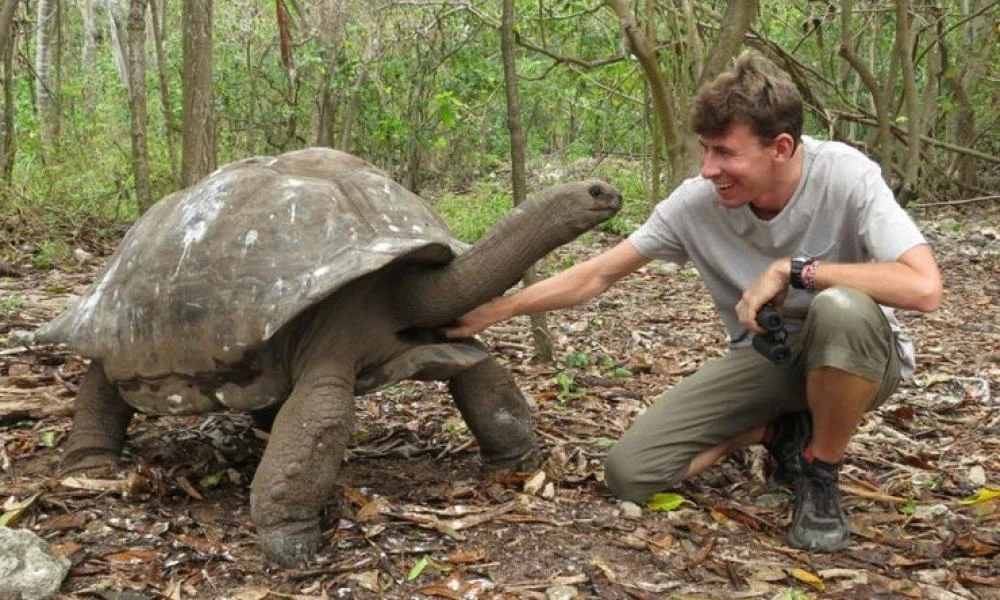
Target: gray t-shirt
842, 211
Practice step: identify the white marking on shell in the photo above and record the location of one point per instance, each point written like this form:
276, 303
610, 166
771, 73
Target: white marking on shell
175, 403
394, 229
220, 396
291, 214
249, 241
89, 303
321, 271
199, 209
387, 189
382, 247
417, 229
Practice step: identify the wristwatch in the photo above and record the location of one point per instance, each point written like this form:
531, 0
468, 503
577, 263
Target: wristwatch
799, 263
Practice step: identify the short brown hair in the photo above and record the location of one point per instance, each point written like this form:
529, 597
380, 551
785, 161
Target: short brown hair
755, 92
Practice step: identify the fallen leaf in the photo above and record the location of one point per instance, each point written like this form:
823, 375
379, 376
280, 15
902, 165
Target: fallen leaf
418, 568
14, 511
666, 502
984, 494
467, 557
132, 556
808, 578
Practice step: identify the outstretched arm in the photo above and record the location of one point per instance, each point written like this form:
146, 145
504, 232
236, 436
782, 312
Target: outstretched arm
912, 281
568, 288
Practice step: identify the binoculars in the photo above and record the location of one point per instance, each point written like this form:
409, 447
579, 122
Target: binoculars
772, 343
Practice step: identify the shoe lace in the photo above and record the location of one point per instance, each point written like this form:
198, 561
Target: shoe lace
823, 494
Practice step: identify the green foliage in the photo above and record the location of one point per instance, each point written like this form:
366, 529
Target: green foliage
470, 216
11, 306
567, 391
577, 360
424, 92
50, 253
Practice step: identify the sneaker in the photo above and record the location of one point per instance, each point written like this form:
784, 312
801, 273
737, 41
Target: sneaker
794, 431
818, 523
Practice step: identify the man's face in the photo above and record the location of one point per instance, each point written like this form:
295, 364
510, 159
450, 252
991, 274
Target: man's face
739, 165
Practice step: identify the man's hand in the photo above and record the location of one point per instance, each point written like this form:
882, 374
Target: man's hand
477, 319
771, 287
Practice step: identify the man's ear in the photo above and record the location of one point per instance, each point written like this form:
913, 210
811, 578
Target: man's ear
784, 146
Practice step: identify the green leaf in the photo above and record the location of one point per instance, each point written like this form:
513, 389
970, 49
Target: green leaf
210, 481
418, 568
577, 359
907, 509
604, 443
14, 512
666, 502
48, 438
983, 494
621, 372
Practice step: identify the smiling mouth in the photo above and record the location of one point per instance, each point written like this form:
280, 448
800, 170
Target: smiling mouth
724, 186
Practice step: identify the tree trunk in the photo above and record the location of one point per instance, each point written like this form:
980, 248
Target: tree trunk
44, 98
6, 24
332, 18
904, 51
88, 52
646, 55
351, 112
119, 40
883, 141
735, 25
158, 11
199, 142
137, 101
7, 140
518, 177
655, 162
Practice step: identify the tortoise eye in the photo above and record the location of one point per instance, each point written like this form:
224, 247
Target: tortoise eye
595, 191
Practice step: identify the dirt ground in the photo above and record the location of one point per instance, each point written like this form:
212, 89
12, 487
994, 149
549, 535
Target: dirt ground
415, 518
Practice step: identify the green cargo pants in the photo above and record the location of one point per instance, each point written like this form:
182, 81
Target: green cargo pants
730, 395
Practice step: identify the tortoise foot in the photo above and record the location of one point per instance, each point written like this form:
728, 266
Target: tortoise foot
91, 462
292, 544
527, 460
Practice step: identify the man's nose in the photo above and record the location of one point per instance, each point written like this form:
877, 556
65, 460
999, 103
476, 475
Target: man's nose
709, 167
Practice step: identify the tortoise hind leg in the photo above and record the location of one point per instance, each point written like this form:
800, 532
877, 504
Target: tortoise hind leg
497, 414
99, 424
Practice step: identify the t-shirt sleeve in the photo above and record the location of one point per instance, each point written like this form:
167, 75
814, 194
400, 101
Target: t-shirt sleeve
886, 229
658, 237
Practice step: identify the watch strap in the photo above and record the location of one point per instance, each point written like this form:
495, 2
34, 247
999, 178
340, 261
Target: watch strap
799, 263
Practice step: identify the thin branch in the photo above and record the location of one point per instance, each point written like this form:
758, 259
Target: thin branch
956, 202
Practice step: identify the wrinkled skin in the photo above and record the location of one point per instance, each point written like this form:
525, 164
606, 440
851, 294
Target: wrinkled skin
375, 330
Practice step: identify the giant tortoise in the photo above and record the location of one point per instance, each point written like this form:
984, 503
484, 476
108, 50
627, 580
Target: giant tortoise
286, 285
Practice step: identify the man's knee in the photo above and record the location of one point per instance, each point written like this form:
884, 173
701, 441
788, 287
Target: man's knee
839, 304
629, 477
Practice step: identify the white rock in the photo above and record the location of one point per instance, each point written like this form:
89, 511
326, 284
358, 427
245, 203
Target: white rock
977, 475
631, 510
561, 592
28, 568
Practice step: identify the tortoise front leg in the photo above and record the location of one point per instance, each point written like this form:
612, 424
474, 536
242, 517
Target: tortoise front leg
296, 475
497, 414
99, 424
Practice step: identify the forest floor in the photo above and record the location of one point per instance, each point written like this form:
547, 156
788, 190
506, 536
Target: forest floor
415, 518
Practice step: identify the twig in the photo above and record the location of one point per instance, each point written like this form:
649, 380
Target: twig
956, 202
